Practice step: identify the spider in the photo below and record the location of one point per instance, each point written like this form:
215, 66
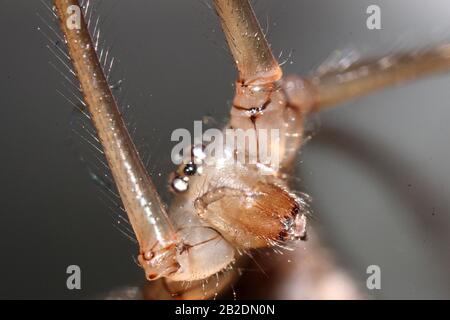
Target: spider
222, 211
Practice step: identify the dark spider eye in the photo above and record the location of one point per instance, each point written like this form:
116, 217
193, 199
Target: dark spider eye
190, 169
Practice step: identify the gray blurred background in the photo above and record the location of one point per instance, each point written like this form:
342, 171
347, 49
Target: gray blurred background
378, 168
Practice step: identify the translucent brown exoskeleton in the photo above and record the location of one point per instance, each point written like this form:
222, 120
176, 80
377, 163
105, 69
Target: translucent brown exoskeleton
227, 206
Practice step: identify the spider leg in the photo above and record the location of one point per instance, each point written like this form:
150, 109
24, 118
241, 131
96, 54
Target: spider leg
259, 69
154, 231
364, 77
251, 52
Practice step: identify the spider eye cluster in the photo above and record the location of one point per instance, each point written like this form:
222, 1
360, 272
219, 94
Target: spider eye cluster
180, 182
190, 169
